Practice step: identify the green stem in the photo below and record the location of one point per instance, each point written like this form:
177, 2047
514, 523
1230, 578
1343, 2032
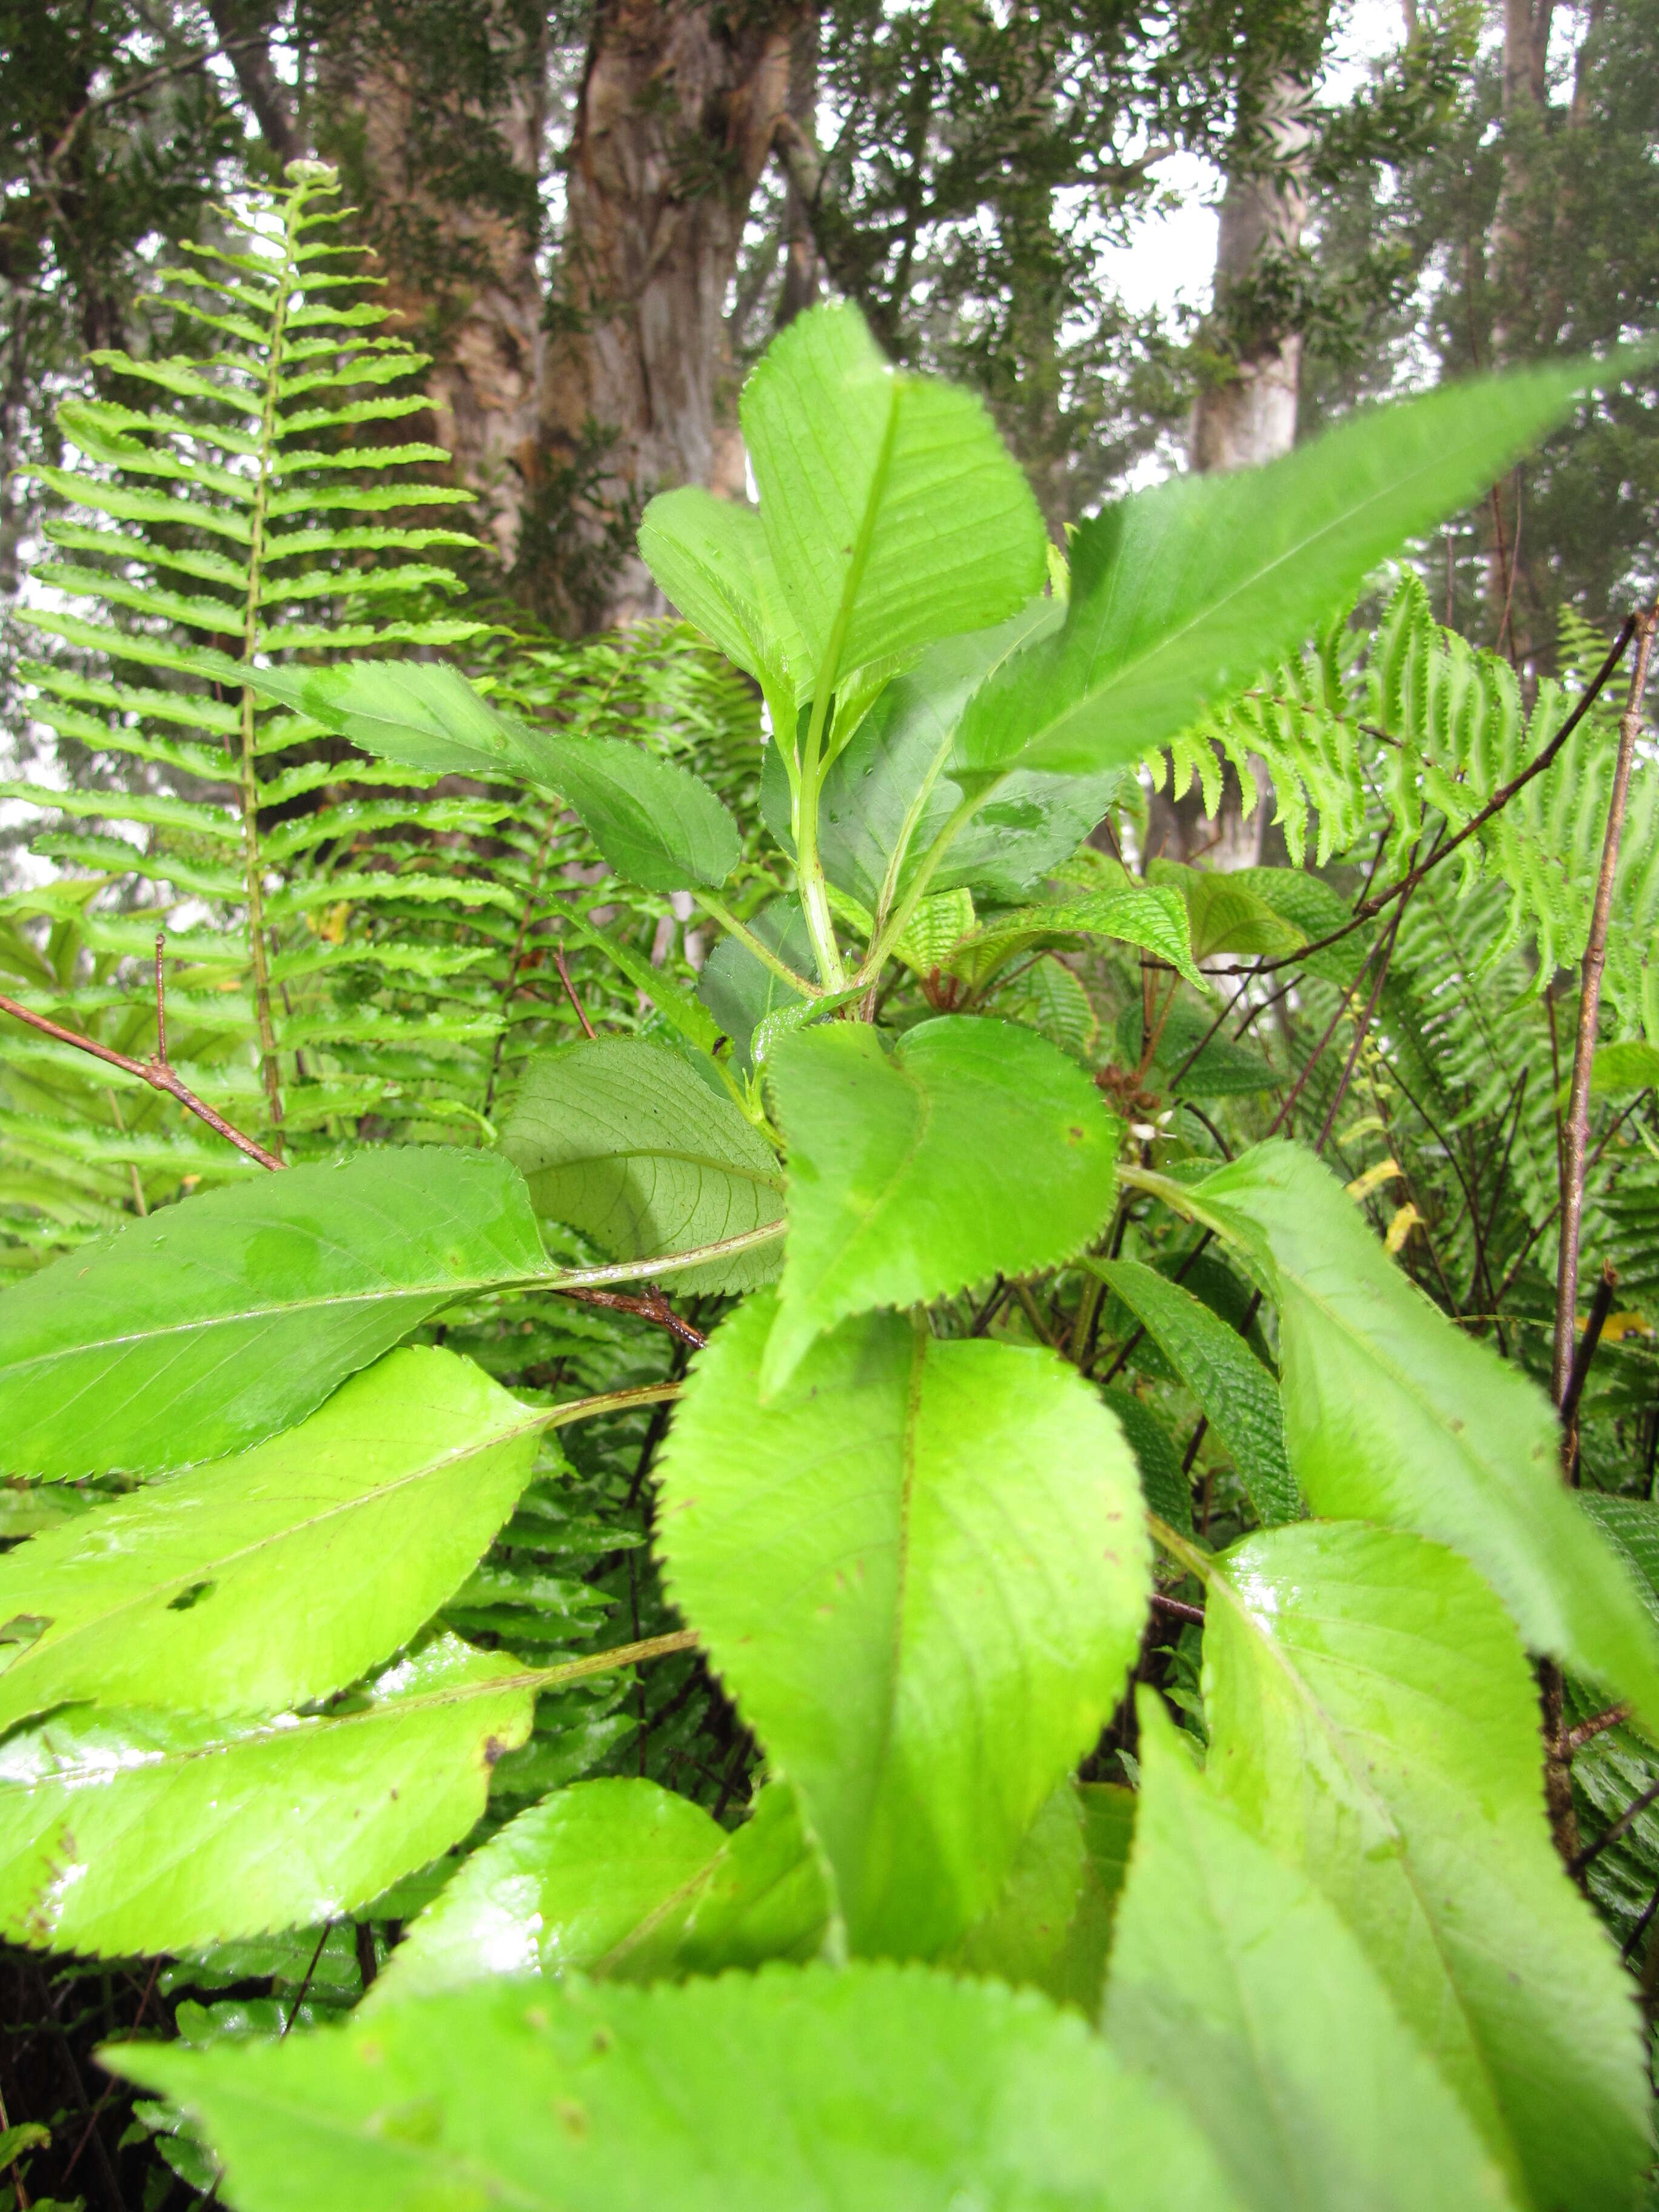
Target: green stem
1181, 1548
249, 782
899, 920
745, 936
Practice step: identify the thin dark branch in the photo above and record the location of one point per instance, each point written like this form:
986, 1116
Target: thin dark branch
653, 1306
155, 1073
570, 991
1621, 1826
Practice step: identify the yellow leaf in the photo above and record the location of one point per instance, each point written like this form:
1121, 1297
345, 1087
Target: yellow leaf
1363, 1186
1401, 1226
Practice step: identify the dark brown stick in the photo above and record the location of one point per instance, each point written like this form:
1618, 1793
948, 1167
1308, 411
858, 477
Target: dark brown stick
652, 1307
156, 1073
1589, 1008
570, 991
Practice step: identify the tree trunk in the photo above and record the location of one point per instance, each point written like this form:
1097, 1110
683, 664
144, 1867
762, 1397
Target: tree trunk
674, 125
1251, 417
460, 266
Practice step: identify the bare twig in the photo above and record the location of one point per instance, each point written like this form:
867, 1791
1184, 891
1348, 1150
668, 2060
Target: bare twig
652, 1307
1574, 1739
157, 1073
570, 991
1589, 1007
1621, 1826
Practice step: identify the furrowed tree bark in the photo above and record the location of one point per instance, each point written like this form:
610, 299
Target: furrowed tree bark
458, 253
674, 125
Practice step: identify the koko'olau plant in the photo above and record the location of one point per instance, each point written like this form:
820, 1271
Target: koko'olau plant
1028, 1905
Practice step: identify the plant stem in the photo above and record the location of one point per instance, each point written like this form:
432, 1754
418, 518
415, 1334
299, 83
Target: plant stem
1577, 1135
762, 952
249, 785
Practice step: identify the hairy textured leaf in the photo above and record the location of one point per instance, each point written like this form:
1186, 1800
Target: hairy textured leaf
1239, 1397
920, 1571
1373, 1720
214, 1323
624, 1141
1392, 1414
820, 2091
1052, 1926
623, 1880
267, 1580
976, 1147
1164, 1483
655, 823
146, 1832
893, 512
1180, 593
1239, 1988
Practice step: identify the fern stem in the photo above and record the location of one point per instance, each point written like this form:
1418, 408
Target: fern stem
248, 789
1576, 1141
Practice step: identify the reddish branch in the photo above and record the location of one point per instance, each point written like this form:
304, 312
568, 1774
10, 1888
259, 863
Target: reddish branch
157, 1072
652, 1307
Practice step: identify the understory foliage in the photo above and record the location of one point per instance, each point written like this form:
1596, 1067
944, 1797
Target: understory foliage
1040, 1708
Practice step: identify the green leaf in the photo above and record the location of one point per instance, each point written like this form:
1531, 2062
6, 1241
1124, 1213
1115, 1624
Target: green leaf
146, 1832
710, 557
1373, 1720
893, 512
1226, 915
1393, 1415
683, 1013
1229, 1382
1164, 1483
214, 1323
655, 823
741, 991
887, 788
268, 1580
1185, 592
871, 2086
619, 1880
977, 1146
920, 1571
1051, 1929
1630, 1066
627, 1142
1240, 1990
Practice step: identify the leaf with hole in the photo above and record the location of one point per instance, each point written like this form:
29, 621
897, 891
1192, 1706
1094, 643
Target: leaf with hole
268, 1580
215, 1323
920, 1571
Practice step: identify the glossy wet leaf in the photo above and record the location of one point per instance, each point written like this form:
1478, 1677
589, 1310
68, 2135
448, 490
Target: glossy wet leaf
1232, 1387
893, 512
1185, 592
1238, 1988
264, 1581
975, 1146
213, 1323
820, 2091
626, 1141
620, 1879
124, 1832
1374, 1721
655, 823
920, 1570
1392, 1414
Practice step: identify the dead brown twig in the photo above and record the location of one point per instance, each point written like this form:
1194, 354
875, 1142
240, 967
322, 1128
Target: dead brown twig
157, 1072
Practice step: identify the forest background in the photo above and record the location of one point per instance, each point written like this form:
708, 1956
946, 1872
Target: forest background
593, 219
